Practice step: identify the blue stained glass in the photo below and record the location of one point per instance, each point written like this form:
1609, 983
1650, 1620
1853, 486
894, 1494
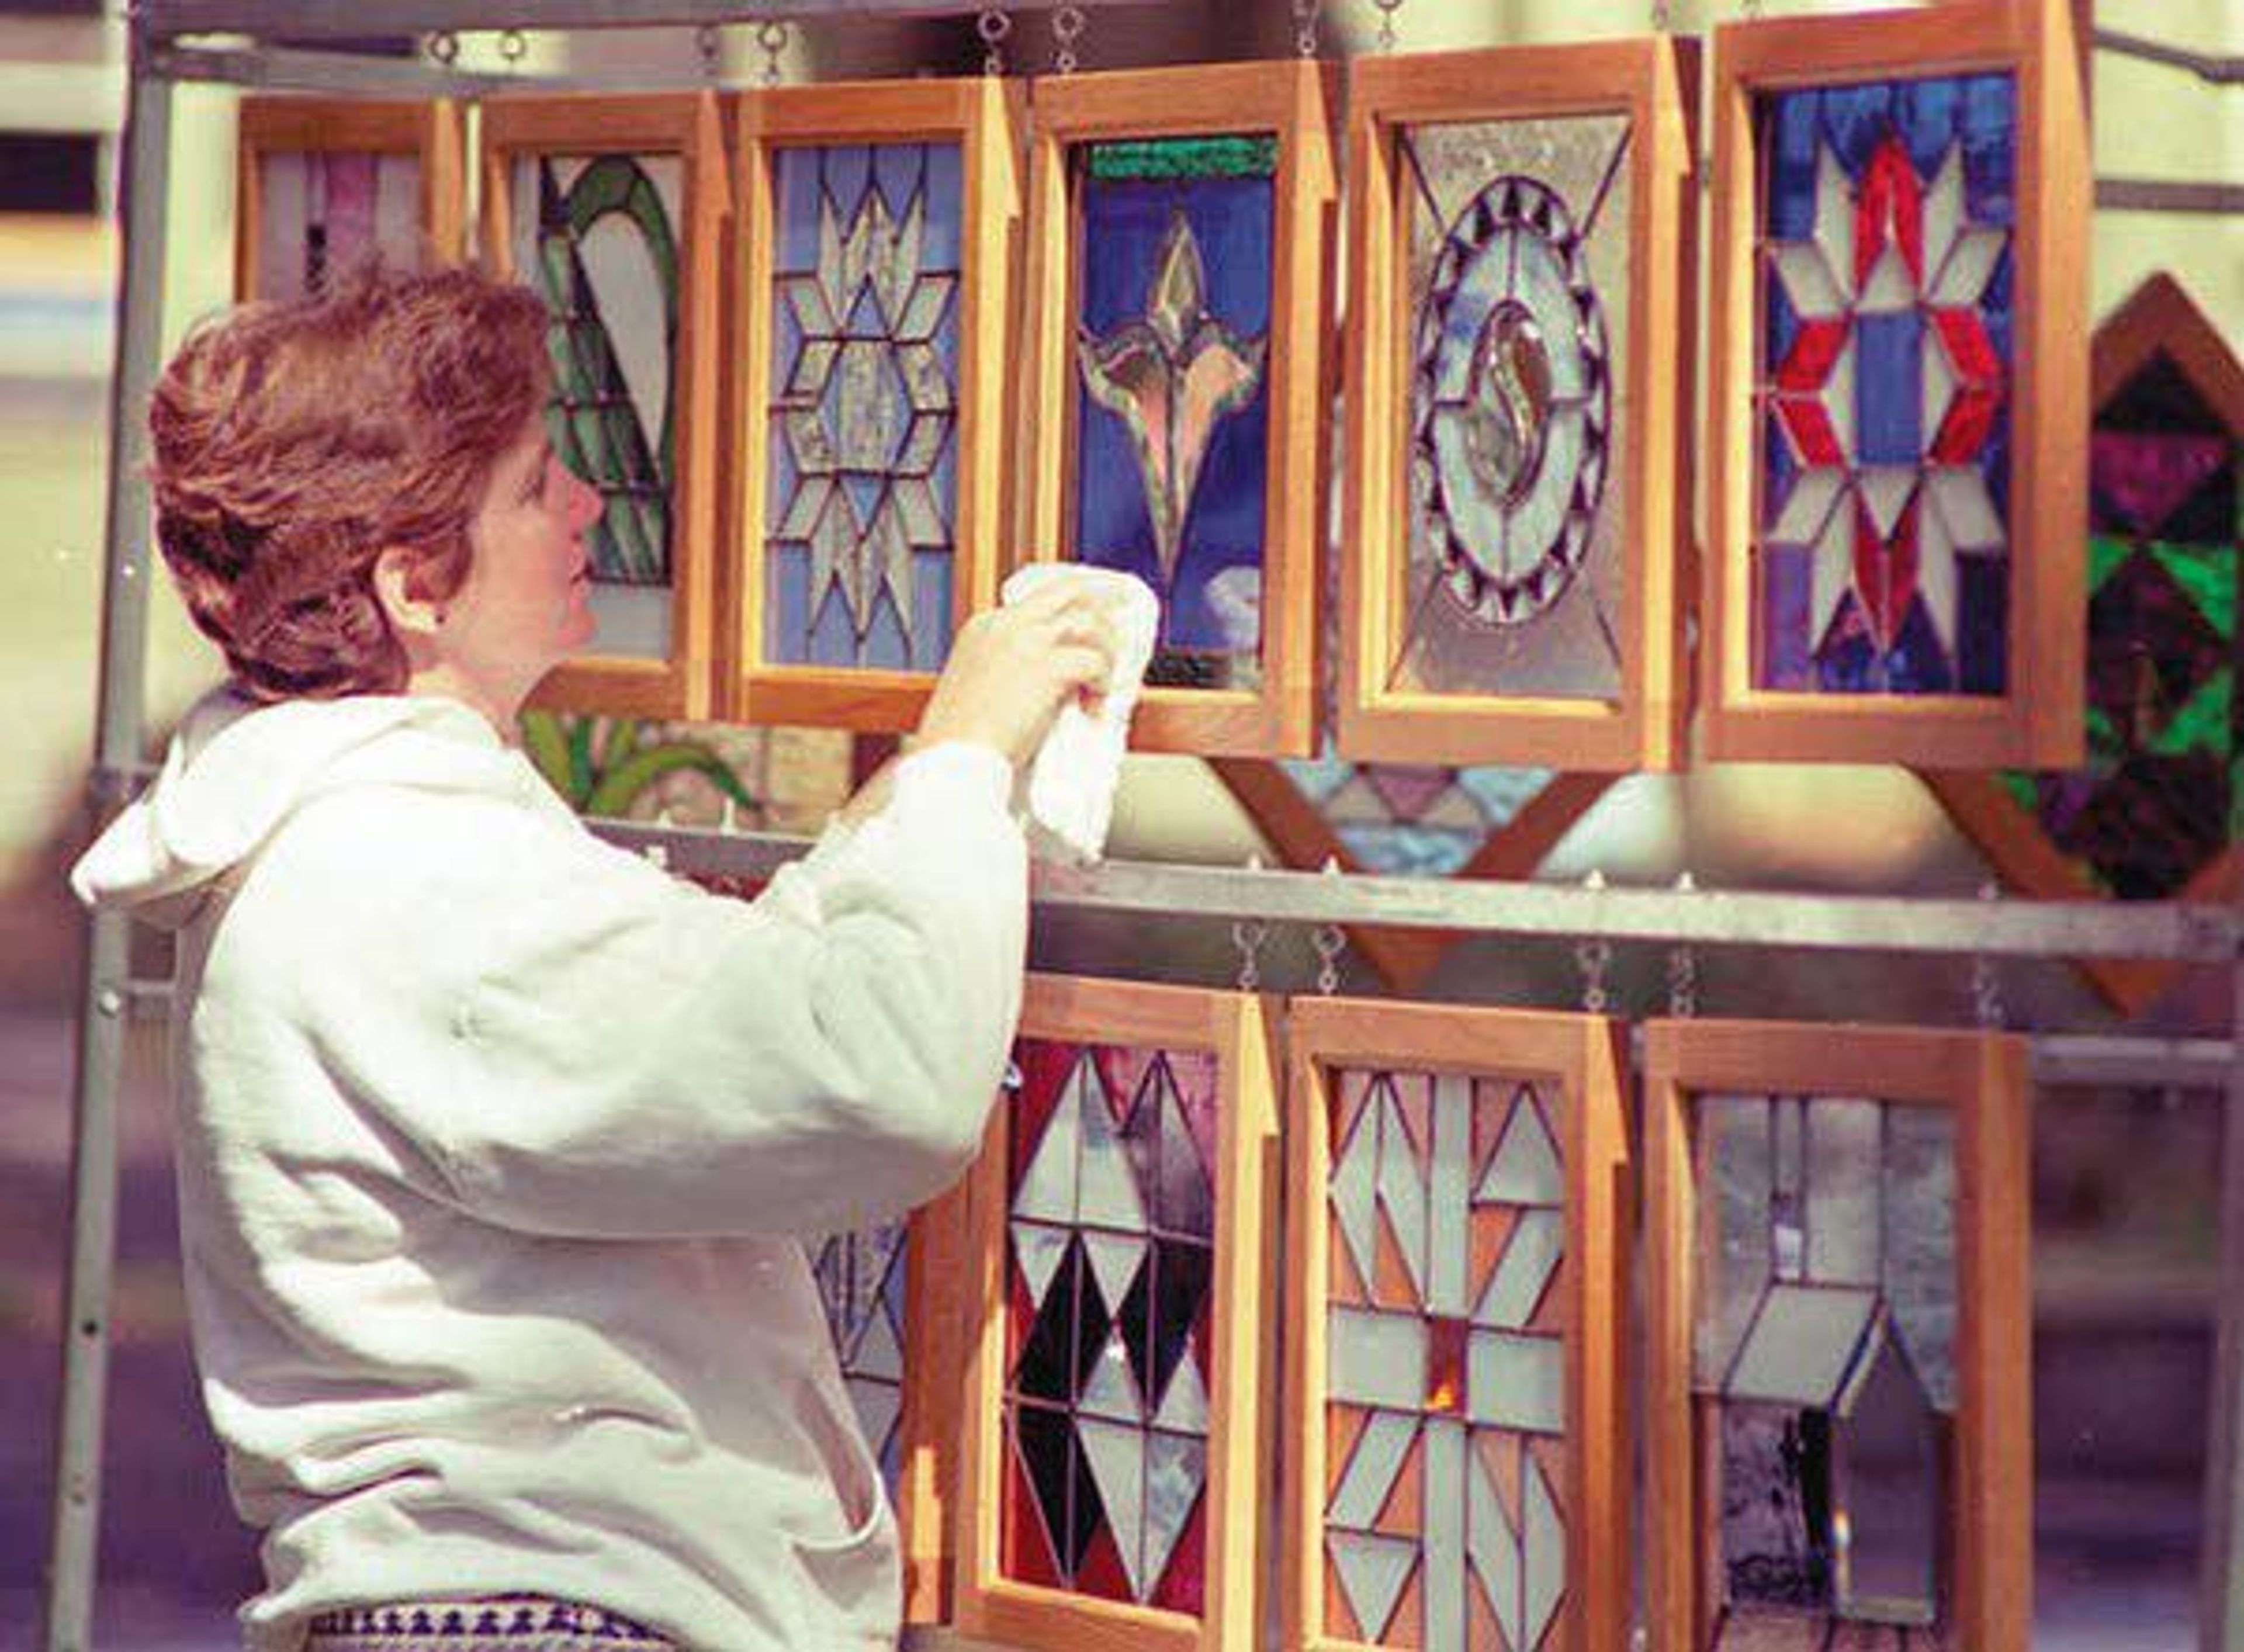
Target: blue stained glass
845, 167
1784, 618
1856, 117
931, 604
1408, 851
834, 637
788, 590
1846, 660
1982, 635
797, 212
1782, 320
945, 184
1991, 135
1779, 468
885, 647
1128, 239
1320, 776
1918, 664
1888, 399
1792, 135
1925, 112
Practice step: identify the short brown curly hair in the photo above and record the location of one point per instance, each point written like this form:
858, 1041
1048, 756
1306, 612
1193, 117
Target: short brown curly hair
295, 441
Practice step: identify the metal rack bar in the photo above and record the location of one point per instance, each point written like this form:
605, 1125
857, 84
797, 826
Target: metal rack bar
354, 19
2206, 65
2168, 195
120, 729
1891, 923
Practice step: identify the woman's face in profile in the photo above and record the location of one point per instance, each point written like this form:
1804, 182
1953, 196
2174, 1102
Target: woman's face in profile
525, 605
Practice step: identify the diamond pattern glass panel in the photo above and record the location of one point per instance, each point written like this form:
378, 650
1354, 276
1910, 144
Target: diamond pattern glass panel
1444, 1522
861, 1281
1519, 249
1109, 1280
1883, 384
1174, 272
322, 211
1413, 820
864, 313
1825, 1345
598, 235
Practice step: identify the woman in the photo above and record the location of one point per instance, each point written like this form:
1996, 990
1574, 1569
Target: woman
497, 1144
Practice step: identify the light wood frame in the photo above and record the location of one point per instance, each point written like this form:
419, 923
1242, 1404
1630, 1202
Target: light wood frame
290, 125
1654, 81
977, 115
935, 1337
1984, 1078
688, 125
2036, 721
1289, 99
985, 1603
2158, 316
1583, 1055
1305, 841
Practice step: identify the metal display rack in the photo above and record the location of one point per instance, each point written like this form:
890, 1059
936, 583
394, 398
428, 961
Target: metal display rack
327, 54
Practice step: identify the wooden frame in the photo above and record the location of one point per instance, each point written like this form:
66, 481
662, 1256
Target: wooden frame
2157, 317
976, 114
2037, 720
1289, 99
1305, 841
429, 131
991, 1605
1983, 1078
1654, 81
1584, 1055
687, 125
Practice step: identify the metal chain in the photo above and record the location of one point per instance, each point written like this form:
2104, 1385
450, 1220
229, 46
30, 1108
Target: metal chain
1593, 956
994, 24
709, 41
1247, 935
444, 48
1683, 967
770, 36
1305, 26
512, 48
1753, 9
1386, 11
1986, 985
1663, 16
1330, 941
1067, 26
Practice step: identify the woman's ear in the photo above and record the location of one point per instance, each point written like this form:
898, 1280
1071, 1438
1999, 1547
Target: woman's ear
400, 585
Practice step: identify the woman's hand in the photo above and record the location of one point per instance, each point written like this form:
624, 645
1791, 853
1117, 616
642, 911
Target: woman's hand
1012, 669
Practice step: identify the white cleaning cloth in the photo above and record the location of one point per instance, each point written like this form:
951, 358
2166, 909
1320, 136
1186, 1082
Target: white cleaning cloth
1071, 784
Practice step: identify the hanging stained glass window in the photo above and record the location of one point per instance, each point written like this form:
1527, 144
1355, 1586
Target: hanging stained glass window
861, 1281
598, 236
325, 187
1840, 1451
1172, 406
864, 405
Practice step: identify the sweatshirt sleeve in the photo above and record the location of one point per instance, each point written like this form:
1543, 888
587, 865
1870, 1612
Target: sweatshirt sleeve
637, 1057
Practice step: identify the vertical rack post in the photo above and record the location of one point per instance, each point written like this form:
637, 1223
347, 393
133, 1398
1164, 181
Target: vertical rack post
2220, 1609
105, 1004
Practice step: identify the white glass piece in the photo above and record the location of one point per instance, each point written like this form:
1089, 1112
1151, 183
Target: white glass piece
1355, 1193
1039, 1251
1525, 1170
1516, 1382
1047, 1187
924, 311
1494, 1545
1446, 1451
1885, 1488
1185, 1407
878, 1406
1545, 1554
1372, 1571
620, 267
1845, 1139
1110, 1389
1936, 384
1732, 1242
1531, 1255
1802, 1344
1449, 1263
1838, 395
1377, 1358
1835, 216
1963, 279
1176, 1469
1809, 506
1381, 1449
1959, 493
1115, 1260
877, 1353
633, 619
1106, 1188
1117, 1455
1807, 282
1890, 289
912, 499
1920, 1258
1832, 572
1936, 573
1885, 490
1943, 214
1402, 1192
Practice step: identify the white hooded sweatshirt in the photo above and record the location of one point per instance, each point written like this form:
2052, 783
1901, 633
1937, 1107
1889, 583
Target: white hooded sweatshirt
496, 1144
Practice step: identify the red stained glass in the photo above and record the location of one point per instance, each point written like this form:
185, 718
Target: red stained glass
1184, 1585
1889, 208
1807, 365
1809, 426
1028, 1554
1964, 337
1970, 421
1885, 569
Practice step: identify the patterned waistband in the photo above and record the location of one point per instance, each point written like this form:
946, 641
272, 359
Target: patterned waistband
501, 1623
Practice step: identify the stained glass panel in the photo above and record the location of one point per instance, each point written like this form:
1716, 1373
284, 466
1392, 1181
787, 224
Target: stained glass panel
861, 1281
1110, 1295
1825, 1341
598, 236
1445, 1514
320, 212
1412, 820
1519, 235
1174, 276
862, 457
1883, 384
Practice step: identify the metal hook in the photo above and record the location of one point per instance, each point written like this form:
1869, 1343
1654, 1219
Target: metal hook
444, 48
1593, 956
995, 25
512, 47
1329, 940
709, 41
1986, 985
1683, 964
771, 37
1247, 934
1068, 25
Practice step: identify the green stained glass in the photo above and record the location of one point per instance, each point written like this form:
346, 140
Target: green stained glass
2207, 572
1231, 156
2203, 722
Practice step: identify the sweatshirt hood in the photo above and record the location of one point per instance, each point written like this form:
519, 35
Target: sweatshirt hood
237, 770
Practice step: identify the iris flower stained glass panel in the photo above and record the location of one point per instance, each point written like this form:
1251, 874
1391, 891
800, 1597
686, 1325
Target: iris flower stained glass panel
1518, 246
864, 409
598, 237
1884, 554
1826, 1339
1445, 1521
322, 211
1109, 1293
1174, 274
861, 1281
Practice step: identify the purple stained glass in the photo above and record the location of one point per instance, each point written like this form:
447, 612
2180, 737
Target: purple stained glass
1886, 217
